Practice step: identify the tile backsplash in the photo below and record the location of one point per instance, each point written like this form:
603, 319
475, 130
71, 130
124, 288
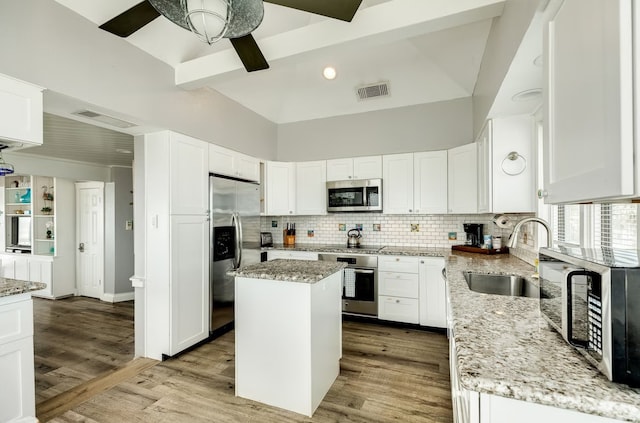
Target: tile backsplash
441, 231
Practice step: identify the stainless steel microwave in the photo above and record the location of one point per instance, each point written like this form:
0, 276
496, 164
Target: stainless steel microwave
592, 297
360, 195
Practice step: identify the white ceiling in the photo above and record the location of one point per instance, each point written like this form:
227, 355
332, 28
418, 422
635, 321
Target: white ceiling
428, 51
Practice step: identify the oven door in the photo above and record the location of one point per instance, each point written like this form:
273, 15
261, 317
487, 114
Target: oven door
360, 291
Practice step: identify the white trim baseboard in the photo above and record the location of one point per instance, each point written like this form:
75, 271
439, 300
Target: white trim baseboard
116, 298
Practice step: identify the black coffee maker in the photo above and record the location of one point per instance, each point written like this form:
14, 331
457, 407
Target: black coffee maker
474, 234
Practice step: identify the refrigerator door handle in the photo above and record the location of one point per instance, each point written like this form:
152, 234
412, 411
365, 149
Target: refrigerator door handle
236, 258
239, 239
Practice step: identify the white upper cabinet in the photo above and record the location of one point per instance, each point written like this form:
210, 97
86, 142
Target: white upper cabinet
189, 181
231, 163
589, 140
20, 111
415, 183
397, 192
462, 170
506, 166
430, 182
311, 188
369, 167
281, 188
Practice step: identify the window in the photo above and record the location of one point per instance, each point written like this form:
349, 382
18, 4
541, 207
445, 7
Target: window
599, 225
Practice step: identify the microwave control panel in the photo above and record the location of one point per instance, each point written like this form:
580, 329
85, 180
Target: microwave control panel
594, 304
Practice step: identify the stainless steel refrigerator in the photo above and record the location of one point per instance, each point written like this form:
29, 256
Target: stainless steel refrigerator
235, 242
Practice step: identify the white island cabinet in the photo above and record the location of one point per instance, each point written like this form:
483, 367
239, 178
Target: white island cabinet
288, 332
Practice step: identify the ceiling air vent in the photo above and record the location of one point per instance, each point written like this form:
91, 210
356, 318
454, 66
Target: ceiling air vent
104, 119
380, 89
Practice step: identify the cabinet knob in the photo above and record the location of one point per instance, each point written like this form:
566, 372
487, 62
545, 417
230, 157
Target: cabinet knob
542, 193
350, 177
397, 259
397, 301
409, 210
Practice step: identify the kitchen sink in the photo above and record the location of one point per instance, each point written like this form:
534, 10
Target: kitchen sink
513, 285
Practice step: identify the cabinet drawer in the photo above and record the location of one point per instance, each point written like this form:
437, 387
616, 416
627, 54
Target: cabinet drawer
398, 284
398, 309
16, 320
291, 255
398, 264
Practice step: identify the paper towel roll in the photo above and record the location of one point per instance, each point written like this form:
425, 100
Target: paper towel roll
502, 221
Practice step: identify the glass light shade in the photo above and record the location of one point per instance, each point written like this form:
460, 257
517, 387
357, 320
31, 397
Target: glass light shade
208, 19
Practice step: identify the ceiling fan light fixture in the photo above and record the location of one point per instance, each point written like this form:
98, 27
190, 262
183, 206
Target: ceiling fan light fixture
5, 168
208, 19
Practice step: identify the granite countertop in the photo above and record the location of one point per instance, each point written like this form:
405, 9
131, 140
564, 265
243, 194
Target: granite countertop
365, 249
14, 287
505, 347
290, 270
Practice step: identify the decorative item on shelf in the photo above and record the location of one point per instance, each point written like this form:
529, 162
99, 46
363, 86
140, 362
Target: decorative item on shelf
46, 210
16, 184
49, 226
19, 211
46, 195
5, 168
26, 197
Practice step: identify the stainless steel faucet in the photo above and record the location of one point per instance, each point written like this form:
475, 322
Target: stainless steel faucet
513, 238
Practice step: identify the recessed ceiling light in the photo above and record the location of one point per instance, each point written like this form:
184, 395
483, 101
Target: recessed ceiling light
329, 73
123, 151
527, 95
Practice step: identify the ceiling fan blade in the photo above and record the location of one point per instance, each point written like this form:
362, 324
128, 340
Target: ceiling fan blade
337, 9
249, 53
131, 20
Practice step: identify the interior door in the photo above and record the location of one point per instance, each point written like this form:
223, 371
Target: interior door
90, 239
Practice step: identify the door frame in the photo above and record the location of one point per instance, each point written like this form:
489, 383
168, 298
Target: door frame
90, 185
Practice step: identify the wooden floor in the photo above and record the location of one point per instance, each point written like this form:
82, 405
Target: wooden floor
387, 375
77, 339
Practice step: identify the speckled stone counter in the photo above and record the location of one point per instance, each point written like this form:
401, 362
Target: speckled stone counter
290, 270
365, 249
14, 287
505, 347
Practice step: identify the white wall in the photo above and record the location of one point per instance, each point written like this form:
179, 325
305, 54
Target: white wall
44, 43
504, 39
122, 177
425, 127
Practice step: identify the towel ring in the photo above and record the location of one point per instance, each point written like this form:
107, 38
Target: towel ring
514, 164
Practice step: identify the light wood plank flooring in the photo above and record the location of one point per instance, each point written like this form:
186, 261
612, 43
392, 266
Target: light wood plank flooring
387, 374
77, 339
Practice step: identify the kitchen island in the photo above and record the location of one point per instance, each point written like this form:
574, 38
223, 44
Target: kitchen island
17, 390
288, 331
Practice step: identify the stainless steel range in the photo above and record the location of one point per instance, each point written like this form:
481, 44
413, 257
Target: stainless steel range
360, 283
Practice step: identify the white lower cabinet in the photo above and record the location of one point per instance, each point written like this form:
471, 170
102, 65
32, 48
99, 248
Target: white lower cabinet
57, 273
398, 289
291, 255
17, 390
433, 301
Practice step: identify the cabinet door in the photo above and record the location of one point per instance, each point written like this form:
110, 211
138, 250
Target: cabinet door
339, 169
22, 268
280, 188
248, 167
17, 392
189, 291
21, 111
311, 188
397, 183
189, 175
369, 167
430, 182
589, 143
8, 267
485, 169
462, 169
221, 160
398, 284
433, 293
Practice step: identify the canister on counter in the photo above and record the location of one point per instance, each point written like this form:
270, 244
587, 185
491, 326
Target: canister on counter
497, 242
486, 242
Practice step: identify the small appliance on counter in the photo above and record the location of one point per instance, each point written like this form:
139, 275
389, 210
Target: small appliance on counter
266, 239
353, 240
477, 242
590, 296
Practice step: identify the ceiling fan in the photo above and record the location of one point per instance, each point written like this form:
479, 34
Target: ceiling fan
245, 17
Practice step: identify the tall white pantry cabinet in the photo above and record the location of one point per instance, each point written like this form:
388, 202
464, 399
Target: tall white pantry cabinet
177, 243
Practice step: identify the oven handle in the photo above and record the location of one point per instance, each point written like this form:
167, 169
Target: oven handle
367, 271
